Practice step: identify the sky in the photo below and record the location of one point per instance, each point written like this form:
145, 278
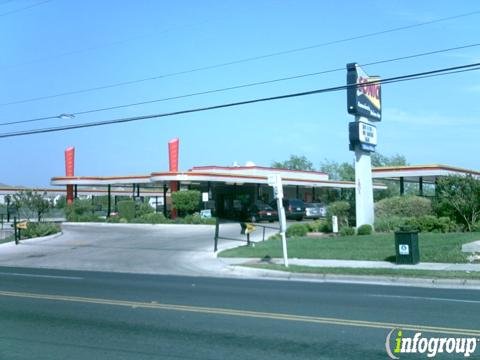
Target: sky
52, 47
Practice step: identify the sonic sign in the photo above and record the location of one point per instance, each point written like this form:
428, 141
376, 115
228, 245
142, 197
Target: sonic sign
363, 94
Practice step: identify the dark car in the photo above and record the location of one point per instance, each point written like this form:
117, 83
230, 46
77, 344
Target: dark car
261, 212
294, 208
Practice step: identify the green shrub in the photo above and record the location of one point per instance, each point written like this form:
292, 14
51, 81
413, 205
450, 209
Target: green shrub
319, 226
389, 223
325, 227
152, 218
457, 197
476, 227
275, 237
430, 223
403, 206
208, 221
364, 229
297, 230
80, 211
190, 219
88, 218
340, 209
126, 209
197, 220
347, 231
39, 229
113, 219
312, 226
426, 223
186, 202
143, 209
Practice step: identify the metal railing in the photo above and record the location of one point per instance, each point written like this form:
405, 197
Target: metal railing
243, 228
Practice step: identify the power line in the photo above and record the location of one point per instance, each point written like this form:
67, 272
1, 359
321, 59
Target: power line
102, 46
235, 87
421, 75
24, 8
234, 62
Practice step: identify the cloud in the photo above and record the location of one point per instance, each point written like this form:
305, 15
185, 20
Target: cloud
394, 115
474, 88
470, 58
414, 16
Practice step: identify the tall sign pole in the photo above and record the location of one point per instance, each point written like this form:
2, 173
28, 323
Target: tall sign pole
173, 167
70, 171
364, 102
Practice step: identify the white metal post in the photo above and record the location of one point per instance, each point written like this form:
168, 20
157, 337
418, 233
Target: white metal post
276, 182
363, 185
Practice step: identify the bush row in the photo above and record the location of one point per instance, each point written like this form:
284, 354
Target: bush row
297, 230
35, 229
425, 223
159, 218
129, 211
403, 206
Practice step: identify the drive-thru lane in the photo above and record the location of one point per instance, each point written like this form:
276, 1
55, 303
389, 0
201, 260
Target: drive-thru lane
155, 249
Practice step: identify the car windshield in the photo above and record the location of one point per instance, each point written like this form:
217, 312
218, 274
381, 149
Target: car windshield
264, 207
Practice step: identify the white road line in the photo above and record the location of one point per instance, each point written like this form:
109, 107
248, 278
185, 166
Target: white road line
426, 298
43, 276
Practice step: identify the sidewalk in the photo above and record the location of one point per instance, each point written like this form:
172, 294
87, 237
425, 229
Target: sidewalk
361, 264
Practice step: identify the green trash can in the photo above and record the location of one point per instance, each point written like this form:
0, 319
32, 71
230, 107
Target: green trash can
406, 247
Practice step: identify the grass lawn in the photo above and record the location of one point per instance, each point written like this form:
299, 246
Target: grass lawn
434, 247
430, 274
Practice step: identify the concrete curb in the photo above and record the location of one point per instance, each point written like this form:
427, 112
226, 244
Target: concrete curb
32, 240
132, 225
326, 263
251, 273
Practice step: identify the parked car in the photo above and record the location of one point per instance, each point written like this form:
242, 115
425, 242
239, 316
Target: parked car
261, 212
315, 210
294, 208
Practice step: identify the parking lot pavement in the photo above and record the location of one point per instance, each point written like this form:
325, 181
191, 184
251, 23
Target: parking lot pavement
151, 249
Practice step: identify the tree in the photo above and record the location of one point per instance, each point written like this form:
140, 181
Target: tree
346, 171
80, 210
61, 202
338, 171
340, 209
295, 163
32, 201
393, 187
379, 160
186, 202
459, 196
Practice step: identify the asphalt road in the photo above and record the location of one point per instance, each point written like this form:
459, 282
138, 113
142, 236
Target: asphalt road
54, 314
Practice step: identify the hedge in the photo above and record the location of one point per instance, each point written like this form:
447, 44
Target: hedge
426, 223
364, 229
35, 229
297, 230
403, 206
